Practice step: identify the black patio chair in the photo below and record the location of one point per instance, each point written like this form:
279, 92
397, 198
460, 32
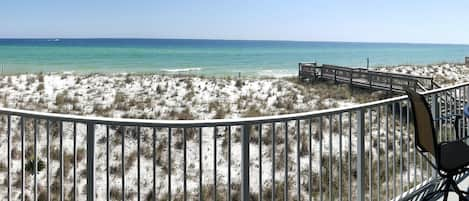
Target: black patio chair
451, 157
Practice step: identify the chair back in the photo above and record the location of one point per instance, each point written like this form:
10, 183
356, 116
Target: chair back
425, 135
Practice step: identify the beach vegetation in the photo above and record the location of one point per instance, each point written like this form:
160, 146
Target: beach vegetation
252, 111
40, 77
3, 167
189, 95
29, 167
239, 83
42, 196
120, 97
115, 193
40, 87
60, 98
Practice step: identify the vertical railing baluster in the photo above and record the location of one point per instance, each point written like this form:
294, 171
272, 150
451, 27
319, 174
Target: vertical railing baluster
61, 161
465, 130
379, 153
138, 163
361, 155
387, 151
260, 162
409, 144
285, 191
229, 163
446, 114
350, 157
154, 163
415, 158
122, 163
298, 187
184, 141
108, 193
200, 165
245, 163
74, 161
461, 111
9, 157
90, 162
320, 159
35, 160
340, 156
22, 159
273, 160
169, 163
370, 165
401, 163
215, 163
330, 160
48, 159
433, 111
394, 150
310, 153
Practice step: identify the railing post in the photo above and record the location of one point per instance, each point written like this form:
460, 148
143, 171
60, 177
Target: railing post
90, 165
361, 155
299, 71
245, 164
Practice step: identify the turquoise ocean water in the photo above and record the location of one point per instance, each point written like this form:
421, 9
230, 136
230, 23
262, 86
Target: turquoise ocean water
209, 57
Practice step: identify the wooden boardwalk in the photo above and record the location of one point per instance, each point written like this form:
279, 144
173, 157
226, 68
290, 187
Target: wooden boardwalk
363, 78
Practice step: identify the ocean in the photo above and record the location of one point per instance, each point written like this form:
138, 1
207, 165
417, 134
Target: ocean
209, 57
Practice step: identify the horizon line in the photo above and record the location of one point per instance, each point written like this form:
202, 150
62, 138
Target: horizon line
227, 39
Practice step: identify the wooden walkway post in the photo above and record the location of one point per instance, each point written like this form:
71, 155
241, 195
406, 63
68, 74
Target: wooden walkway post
335, 76
390, 84
370, 78
351, 76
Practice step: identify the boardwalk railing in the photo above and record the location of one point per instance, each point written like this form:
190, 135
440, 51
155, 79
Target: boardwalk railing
360, 77
362, 152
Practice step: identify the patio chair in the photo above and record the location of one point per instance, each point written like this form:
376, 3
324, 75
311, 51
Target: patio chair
451, 157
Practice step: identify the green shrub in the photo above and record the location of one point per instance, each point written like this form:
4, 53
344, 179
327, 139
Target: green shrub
30, 165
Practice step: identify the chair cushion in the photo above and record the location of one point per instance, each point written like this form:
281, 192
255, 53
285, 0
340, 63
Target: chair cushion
453, 155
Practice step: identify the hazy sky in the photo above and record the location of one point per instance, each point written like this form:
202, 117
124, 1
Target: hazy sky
426, 21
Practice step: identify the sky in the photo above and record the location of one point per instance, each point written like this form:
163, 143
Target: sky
415, 21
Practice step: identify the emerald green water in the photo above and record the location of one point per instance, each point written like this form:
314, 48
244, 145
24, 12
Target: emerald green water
209, 57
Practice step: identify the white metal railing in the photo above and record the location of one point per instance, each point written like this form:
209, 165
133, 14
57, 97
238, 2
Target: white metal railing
362, 152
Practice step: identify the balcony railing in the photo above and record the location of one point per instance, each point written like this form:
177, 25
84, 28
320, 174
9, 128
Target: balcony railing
362, 152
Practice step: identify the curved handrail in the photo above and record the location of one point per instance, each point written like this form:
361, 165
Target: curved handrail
211, 122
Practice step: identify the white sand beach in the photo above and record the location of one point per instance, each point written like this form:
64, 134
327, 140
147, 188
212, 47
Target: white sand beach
164, 97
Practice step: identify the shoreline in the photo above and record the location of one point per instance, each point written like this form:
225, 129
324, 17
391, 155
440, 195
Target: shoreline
199, 71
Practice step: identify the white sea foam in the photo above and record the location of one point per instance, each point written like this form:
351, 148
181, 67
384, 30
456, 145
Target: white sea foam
276, 73
182, 70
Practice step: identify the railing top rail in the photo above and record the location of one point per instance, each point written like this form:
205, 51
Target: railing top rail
403, 75
212, 122
400, 75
